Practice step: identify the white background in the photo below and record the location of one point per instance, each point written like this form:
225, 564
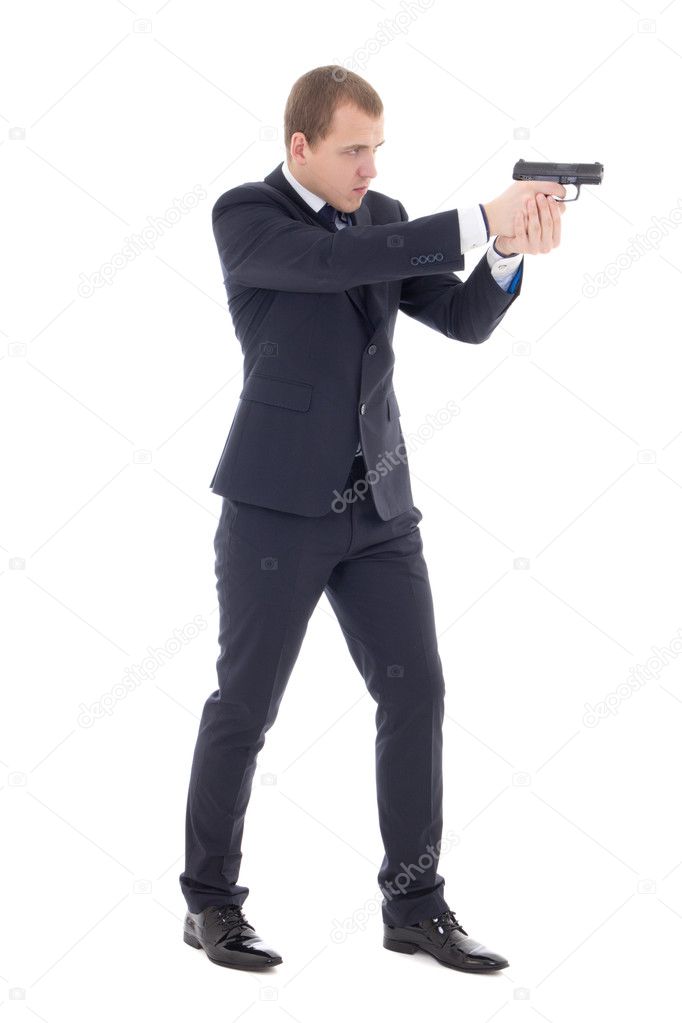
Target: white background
565, 846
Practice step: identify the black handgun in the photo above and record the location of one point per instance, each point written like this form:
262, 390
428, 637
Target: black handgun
565, 173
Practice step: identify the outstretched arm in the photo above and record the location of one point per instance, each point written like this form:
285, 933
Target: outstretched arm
262, 246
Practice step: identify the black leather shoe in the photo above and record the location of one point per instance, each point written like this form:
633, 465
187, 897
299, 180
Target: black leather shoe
443, 937
228, 939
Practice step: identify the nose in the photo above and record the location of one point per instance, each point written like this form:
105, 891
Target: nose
368, 169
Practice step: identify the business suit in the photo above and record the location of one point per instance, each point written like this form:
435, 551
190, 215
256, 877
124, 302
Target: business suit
314, 313
314, 310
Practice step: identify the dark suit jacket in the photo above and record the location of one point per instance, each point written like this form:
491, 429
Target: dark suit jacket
314, 311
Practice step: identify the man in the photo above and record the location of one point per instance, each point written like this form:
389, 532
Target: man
316, 492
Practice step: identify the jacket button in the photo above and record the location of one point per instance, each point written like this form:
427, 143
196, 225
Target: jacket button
363, 409
371, 350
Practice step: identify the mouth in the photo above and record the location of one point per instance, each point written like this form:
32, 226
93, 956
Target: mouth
361, 190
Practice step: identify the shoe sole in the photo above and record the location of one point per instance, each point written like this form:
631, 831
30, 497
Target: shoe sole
408, 948
189, 939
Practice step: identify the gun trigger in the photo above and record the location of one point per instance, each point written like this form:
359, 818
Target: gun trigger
577, 193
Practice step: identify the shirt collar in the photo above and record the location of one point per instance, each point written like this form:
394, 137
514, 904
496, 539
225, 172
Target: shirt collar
313, 200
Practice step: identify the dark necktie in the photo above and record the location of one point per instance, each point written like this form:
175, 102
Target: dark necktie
328, 215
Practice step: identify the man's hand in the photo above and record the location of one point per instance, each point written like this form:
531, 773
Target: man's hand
502, 211
535, 229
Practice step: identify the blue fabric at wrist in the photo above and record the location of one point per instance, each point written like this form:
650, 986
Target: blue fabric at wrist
515, 280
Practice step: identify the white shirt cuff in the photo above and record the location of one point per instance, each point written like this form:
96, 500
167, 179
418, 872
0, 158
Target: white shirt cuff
503, 268
472, 232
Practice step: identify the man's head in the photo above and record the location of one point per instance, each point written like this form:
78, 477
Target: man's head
333, 126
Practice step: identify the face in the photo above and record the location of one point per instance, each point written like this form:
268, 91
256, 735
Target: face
340, 167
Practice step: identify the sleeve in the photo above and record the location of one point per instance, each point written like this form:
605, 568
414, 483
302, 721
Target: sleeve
463, 311
261, 246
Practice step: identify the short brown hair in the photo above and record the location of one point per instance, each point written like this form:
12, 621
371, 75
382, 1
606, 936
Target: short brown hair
315, 96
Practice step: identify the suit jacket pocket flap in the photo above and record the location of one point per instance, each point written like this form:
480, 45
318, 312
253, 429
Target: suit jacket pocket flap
285, 393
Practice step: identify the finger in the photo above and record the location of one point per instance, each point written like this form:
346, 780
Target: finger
546, 222
555, 209
533, 226
521, 229
550, 188
519, 239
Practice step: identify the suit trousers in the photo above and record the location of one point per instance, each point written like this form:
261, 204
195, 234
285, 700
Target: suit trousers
271, 568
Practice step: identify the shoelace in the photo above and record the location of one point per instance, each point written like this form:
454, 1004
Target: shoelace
448, 921
232, 916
